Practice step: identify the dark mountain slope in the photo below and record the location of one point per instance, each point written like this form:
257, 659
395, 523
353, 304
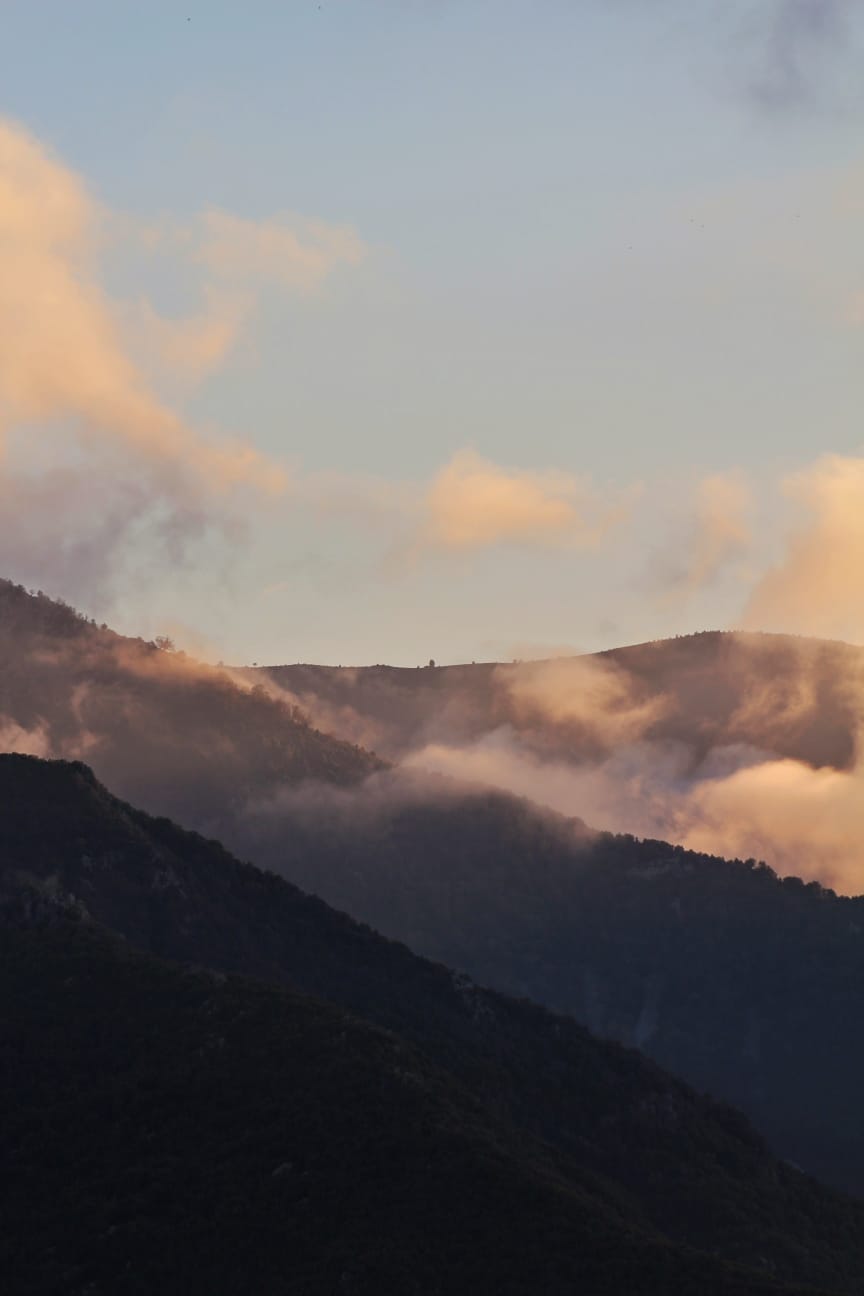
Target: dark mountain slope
749, 987
184, 1133
487, 883
616, 1126
182, 738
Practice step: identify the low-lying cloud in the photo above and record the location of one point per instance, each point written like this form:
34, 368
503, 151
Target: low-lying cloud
742, 803
748, 746
595, 698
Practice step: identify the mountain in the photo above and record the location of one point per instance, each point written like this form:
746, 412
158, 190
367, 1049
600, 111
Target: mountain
793, 697
696, 962
147, 1108
748, 986
180, 737
181, 1132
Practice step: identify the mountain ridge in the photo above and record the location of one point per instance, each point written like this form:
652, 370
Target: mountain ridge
183, 737
700, 1175
706, 680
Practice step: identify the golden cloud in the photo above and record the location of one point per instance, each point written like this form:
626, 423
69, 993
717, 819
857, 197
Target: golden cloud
817, 587
61, 350
473, 503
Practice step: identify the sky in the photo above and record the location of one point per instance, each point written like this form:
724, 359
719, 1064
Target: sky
370, 331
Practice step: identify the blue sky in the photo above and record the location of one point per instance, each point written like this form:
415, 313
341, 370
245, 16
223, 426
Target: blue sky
619, 242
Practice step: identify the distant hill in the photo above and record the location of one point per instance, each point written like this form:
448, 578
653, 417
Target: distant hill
180, 737
190, 1134
779, 693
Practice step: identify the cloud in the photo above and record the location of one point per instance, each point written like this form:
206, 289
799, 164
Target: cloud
795, 38
190, 348
96, 467
718, 533
592, 742
804, 821
722, 532
27, 742
52, 534
594, 699
817, 587
755, 750
473, 503
236, 260
61, 351
293, 255
742, 804
470, 504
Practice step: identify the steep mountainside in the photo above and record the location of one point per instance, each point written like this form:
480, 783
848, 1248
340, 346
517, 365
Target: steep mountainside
700, 966
748, 986
176, 1132
614, 1127
793, 697
181, 738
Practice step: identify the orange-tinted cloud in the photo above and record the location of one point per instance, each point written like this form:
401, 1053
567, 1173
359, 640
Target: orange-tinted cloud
189, 348
473, 503
721, 531
27, 742
802, 820
817, 587
293, 255
81, 418
596, 697
708, 538
236, 259
61, 351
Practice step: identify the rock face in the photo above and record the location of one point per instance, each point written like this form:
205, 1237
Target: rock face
200, 1117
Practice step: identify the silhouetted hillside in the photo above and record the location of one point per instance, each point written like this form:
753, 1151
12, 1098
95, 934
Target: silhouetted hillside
180, 737
641, 1146
173, 1132
483, 881
748, 986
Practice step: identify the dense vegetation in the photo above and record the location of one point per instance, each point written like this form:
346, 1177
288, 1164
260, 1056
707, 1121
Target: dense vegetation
747, 985
175, 1132
601, 1144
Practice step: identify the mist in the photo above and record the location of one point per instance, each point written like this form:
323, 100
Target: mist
741, 745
